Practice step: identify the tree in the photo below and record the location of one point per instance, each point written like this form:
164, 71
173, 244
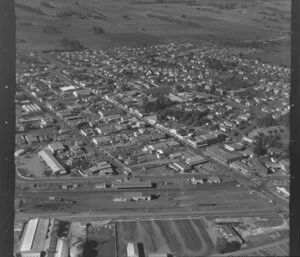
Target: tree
73, 45
266, 121
231, 246
260, 149
49, 29
220, 244
97, 30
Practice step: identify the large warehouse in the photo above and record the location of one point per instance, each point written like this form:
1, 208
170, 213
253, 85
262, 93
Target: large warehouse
34, 237
37, 238
223, 155
51, 161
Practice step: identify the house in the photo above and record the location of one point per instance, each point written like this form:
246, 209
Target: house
87, 132
248, 139
101, 140
285, 165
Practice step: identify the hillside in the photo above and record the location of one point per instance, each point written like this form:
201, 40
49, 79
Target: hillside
41, 25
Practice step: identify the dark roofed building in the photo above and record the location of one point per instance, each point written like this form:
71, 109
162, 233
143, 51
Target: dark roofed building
223, 155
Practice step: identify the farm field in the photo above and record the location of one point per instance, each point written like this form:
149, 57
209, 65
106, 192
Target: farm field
132, 23
278, 250
180, 237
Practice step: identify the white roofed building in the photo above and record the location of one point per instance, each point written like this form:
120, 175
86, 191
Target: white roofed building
34, 239
132, 250
51, 161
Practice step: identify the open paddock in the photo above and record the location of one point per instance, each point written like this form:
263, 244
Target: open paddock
181, 237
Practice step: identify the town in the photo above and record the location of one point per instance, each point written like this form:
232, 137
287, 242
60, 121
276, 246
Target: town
127, 131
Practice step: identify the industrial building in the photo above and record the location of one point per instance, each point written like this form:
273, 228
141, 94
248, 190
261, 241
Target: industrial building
207, 139
180, 166
100, 168
37, 239
195, 160
32, 108
34, 239
51, 161
132, 183
133, 196
62, 249
258, 168
132, 250
241, 167
223, 155
56, 147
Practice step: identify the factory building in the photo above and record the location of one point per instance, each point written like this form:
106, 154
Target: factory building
223, 155
51, 161
100, 168
56, 147
37, 239
132, 183
132, 250
195, 160
62, 249
180, 166
34, 238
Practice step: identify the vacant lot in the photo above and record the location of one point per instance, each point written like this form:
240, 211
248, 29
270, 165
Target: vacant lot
31, 164
182, 237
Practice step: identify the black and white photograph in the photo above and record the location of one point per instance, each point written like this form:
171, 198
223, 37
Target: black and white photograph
149, 128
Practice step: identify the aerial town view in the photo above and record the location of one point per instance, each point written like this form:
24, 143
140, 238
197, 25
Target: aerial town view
152, 128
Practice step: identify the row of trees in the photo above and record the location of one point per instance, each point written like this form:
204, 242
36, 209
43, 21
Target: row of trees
264, 142
164, 107
158, 105
73, 45
195, 118
97, 30
225, 246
